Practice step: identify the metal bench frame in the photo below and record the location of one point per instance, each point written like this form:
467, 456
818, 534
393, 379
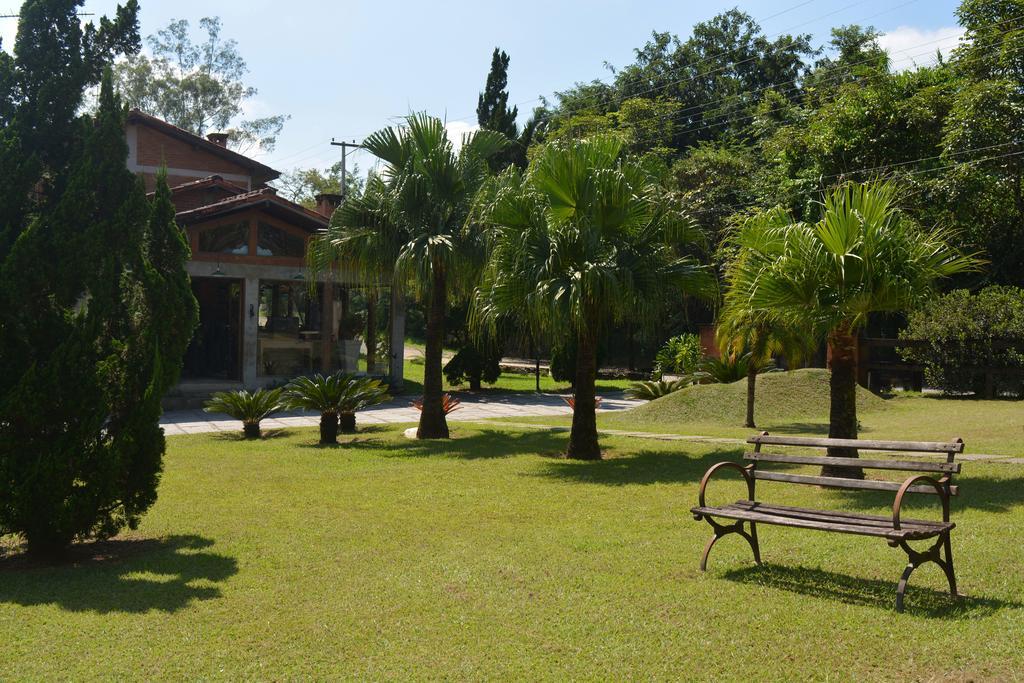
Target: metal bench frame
898, 532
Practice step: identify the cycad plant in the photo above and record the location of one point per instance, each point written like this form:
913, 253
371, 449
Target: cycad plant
319, 393
336, 397
359, 393
585, 238
414, 221
862, 256
249, 407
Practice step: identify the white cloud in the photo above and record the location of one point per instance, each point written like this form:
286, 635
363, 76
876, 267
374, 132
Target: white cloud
8, 31
456, 129
909, 46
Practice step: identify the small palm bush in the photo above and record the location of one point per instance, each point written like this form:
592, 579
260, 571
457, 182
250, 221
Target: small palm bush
650, 390
732, 368
322, 394
359, 393
249, 407
337, 398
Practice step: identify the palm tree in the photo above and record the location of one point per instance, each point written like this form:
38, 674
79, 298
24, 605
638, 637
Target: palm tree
418, 220
861, 257
362, 240
757, 335
583, 239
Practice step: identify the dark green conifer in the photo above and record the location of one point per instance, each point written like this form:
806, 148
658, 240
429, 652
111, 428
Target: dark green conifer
92, 282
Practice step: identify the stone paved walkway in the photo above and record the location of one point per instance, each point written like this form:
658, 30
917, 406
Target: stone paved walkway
474, 407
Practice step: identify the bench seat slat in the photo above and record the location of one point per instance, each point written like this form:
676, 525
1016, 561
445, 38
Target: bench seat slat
847, 524
841, 515
843, 483
862, 444
941, 467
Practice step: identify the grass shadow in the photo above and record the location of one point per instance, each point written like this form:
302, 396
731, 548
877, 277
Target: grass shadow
989, 494
483, 444
266, 435
851, 590
644, 467
120, 575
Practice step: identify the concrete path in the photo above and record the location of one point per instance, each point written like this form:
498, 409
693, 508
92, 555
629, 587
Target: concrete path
474, 407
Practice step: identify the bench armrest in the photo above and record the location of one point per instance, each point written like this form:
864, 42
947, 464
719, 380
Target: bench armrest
940, 488
745, 471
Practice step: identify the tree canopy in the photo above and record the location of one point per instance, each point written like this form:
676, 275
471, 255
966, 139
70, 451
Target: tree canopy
199, 87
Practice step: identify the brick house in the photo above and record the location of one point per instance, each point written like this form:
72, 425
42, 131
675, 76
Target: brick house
261, 321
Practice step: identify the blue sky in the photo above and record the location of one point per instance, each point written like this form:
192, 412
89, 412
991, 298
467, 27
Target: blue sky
343, 69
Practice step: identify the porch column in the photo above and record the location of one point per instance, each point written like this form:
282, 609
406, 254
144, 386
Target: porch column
328, 328
250, 330
396, 369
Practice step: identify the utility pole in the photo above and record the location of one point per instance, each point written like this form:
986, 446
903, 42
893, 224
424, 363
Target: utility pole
344, 153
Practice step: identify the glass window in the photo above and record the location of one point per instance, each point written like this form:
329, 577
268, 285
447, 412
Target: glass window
288, 340
232, 238
274, 241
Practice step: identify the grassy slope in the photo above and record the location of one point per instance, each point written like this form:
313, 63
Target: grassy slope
797, 403
481, 558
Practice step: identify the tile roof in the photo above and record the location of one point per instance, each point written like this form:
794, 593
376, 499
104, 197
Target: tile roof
266, 197
265, 172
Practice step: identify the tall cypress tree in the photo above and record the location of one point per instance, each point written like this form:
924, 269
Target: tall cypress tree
91, 279
492, 112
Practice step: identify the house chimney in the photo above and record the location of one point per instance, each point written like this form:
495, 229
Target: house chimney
218, 138
327, 202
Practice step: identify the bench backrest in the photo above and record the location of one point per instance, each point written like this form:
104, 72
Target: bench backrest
943, 470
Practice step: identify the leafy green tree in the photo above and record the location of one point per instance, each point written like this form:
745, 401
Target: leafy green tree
964, 334
415, 220
863, 256
983, 193
583, 239
91, 278
302, 185
198, 87
717, 75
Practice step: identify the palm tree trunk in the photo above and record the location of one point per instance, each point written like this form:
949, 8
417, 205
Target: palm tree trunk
328, 428
843, 400
583, 437
433, 424
347, 423
751, 386
371, 332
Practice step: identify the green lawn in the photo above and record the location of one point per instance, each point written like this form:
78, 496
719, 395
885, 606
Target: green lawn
509, 381
797, 403
485, 557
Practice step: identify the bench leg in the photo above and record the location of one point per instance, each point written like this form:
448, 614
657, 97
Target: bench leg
726, 529
941, 553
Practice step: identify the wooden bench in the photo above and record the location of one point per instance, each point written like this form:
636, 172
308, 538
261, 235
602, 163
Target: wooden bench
926, 477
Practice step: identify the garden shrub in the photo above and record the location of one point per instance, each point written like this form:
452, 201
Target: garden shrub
964, 333
680, 355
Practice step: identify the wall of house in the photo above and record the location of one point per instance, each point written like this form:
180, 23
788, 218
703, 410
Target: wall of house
150, 149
